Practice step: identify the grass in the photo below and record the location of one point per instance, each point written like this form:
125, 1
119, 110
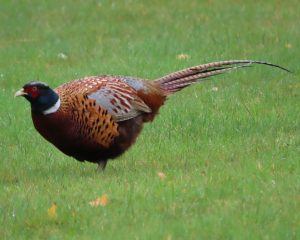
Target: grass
231, 157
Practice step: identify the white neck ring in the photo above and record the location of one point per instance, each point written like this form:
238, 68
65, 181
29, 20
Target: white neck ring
52, 109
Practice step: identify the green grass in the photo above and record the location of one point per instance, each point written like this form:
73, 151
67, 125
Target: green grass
231, 157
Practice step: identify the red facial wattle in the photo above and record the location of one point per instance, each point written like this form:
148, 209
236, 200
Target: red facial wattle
33, 92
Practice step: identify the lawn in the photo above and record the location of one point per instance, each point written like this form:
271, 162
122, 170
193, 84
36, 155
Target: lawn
221, 160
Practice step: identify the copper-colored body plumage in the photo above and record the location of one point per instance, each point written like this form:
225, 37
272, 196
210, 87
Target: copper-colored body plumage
100, 117
86, 130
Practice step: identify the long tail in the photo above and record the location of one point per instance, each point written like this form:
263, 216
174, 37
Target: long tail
178, 80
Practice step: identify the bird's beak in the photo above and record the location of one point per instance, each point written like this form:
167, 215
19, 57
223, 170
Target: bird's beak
20, 93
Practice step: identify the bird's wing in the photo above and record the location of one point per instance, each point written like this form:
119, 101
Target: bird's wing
112, 93
120, 100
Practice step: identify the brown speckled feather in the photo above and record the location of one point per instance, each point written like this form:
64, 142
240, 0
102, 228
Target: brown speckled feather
104, 100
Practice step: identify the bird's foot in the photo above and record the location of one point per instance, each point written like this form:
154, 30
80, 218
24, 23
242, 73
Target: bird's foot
101, 166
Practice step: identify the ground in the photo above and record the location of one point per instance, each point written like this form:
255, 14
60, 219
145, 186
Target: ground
221, 161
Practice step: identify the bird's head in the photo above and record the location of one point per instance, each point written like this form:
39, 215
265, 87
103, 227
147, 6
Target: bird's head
42, 98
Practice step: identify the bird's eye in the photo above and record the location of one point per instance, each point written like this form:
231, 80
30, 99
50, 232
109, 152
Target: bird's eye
34, 89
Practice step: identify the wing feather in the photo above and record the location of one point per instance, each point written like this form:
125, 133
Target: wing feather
120, 100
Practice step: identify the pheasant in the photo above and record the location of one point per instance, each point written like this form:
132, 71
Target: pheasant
98, 118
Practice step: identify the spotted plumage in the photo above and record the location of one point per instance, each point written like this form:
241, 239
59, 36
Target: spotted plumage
98, 118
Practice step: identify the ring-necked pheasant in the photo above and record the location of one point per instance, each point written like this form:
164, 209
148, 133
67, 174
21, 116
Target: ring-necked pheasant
98, 118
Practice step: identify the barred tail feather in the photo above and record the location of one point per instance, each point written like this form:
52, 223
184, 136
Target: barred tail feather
178, 80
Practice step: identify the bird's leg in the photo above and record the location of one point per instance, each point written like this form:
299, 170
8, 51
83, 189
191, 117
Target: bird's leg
102, 165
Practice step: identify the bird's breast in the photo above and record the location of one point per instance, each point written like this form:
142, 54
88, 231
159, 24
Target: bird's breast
59, 130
